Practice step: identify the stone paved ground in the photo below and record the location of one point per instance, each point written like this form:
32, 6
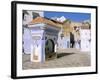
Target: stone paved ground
65, 58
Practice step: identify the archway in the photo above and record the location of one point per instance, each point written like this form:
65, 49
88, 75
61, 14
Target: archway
49, 48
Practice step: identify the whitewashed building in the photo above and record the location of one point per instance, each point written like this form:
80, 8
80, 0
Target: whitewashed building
85, 40
40, 38
28, 16
63, 41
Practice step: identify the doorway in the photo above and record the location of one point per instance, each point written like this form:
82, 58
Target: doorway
49, 49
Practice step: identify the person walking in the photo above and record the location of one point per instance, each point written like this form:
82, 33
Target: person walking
72, 41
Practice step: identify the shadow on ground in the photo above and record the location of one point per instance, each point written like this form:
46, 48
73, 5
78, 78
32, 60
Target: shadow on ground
63, 54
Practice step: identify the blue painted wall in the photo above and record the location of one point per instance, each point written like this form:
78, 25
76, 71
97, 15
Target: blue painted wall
27, 40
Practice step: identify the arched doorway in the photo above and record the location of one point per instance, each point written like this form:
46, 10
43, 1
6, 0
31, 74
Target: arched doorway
49, 48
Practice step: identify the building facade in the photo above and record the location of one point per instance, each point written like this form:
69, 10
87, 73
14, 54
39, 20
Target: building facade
43, 36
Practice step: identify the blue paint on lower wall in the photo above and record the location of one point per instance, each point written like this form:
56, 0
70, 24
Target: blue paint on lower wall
27, 40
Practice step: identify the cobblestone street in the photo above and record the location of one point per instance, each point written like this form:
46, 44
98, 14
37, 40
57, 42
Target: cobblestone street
65, 58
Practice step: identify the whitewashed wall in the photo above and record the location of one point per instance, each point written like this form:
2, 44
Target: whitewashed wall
27, 40
85, 37
64, 42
